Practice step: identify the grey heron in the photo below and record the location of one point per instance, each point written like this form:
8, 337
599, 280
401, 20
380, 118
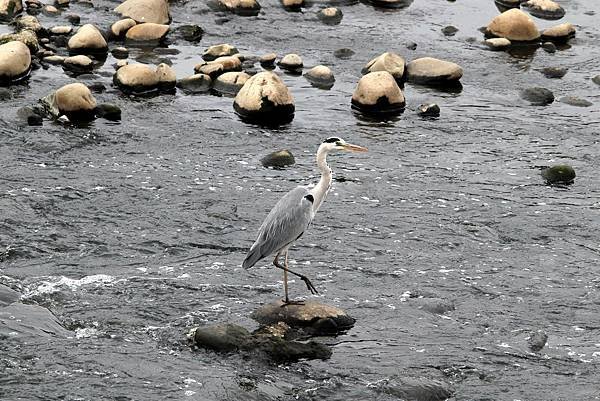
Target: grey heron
292, 215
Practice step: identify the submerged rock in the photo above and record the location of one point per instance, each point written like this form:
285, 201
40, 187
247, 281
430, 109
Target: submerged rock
108, 111
216, 51
73, 100
429, 110
420, 389
559, 33
8, 295
120, 52
268, 60
497, 43
279, 159
449, 30
390, 3
190, 32
230, 83
320, 76
291, 62
559, 174
196, 83
240, 7
265, 98
537, 341
537, 96
549, 47
575, 101
388, 61
147, 32
30, 115
432, 71
28, 322
513, 25
88, 39
155, 11
377, 93
330, 15
554, 72
15, 62
545, 9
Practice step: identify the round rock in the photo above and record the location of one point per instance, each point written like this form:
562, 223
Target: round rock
230, 83
330, 15
320, 76
559, 33
264, 98
61, 30
120, 52
147, 32
559, 174
73, 100
108, 111
554, 72
15, 61
449, 30
390, 62
25, 36
292, 4
79, 63
88, 39
155, 11
197, 83
268, 60
222, 337
549, 47
513, 25
537, 96
240, 7
596, 80
279, 159
120, 28
432, 71
291, 62
545, 9
537, 341
136, 78
497, 43
216, 51
378, 93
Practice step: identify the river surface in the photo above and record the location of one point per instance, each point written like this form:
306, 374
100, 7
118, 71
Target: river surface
133, 232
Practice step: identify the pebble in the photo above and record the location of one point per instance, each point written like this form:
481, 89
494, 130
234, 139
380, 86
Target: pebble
554, 72
537, 96
537, 341
497, 43
549, 47
559, 174
278, 159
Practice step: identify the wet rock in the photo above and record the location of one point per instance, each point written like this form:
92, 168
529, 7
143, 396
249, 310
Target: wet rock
429, 110
545, 9
279, 159
219, 66
268, 60
344, 53
30, 116
559, 33
559, 174
596, 80
264, 98
88, 39
549, 47
390, 62
120, 63
108, 111
15, 62
73, 19
5, 94
61, 30
9, 8
537, 96
513, 25
191, 33
8, 296
320, 76
432, 71
136, 78
504, 5
196, 83
291, 62
78, 63
390, 3
29, 38
216, 51
147, 32
554, 72
449, 30
62, 3
240, 7
280, 350
120, 28
28, 322
537, 341
29, 22
155, 11
497, 43
436, 306
120, 52
377, 93
222, 337
330, 15
51, 11
73, 100
293, 5
411, 46
575, 101
230, 83
54, 60
420, 389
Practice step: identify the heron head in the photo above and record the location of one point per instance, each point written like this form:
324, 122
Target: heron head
336, 144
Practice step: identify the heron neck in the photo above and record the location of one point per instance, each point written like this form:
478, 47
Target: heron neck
319, 192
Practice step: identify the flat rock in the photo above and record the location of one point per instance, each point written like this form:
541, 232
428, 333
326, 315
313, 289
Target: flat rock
155, 11
88, 39
73, 100
497, 43
554, 72
513, 25
390, 3
8, 295
278, 159
559, 33
216, 51
108, 111
61, 30
545, 9
377, 93
575, 101
432, 71
449, 30
197, 83
219, 66
79, 63
147, 32
26, 322
265, 98
537, 96
559, 174
388, 61
15, 61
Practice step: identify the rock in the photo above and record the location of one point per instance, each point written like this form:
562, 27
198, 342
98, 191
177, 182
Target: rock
437, 306
268, 60
230, 83
29, 22
222, 337
596, 80
291, 62
294, 5
537, 96
549, 47
191, 33
429, 110
196, 83
29, 322
378, 93
390, 3
120, 28
136, 78
78, 63
5, 94
559, 33
279, 159
51, 10
15, 62
155, 11
73, 19
318, 318
8, 296
411, 46
449, 30
265, 98
537, 341
219, 66
62, 3
344, 53
419, 389
88, 39
9, 8
120, 63
559, 174
167, 79
61, 30
545, 9
30, 116
214, 52
240, 7
320, 76
575, 101
554, 72
120, 52
26, 36
432, 71
504, 5
390, 62
73, 100
147, 32
497, 43
54, 60
513, 25
108, 111
330, 15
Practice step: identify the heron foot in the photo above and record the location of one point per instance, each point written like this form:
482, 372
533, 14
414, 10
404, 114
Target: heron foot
287, 302
309, 285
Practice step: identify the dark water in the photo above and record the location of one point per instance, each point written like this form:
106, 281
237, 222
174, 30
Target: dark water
132, 233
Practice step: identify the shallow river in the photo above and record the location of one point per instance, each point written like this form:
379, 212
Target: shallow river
133, 232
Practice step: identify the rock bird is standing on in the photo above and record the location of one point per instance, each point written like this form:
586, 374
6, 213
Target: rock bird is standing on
293, 214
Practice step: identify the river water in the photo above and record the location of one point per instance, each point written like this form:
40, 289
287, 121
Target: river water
443, 241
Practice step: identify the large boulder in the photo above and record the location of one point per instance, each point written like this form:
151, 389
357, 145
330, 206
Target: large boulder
88, 39
15, 61
432, 71
141, 79
390, 62
156, 11
147, 32
8, 8
513, 25
377, 93
240, 7
73, 100
265, 98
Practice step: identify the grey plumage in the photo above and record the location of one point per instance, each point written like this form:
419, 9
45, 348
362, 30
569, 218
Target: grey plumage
284, 224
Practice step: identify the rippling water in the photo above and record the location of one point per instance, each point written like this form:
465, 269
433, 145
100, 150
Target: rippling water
131, 233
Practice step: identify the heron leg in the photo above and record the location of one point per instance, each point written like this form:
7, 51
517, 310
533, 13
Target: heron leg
309, 285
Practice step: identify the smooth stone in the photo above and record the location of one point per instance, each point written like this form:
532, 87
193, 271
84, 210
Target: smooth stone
29, 322
330, 15
278, 159
222, 337
537, 96
216, 51
449, 30
559, 174
390, 3
29, 22
554, 72
78, 63
120, 63
88, 39
575, 101
513, 25
240, 7
320, 76
197, 83
155, 11
147, 32
15, 61
61, 30
432, 71
167, 79
30, 116
230, 82
108, 111
545, 9
26, 36
191, 32
388, 61
344, 53
497, 43
120, 28
73, 100
265, 98
219, 66
136, 78
378, 93
559, 33
411, 46
429, 110
54, 60
51, 10
74, 19
120, 52
537, 340
596, 80
62, 3
9, 8
292, 4
549, 47
268, 60
8, 295
291, 62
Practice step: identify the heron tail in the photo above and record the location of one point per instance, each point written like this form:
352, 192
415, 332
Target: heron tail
252, 257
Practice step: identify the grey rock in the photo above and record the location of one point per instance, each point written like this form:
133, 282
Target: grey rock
108, 111
554, 72
30, 116
419, 389
549, 47
344, 53
191, 33
120, 52
28, 322
449, 30
537, 96
5, 94
279, 159
596, 80
8, 295
537, 340
429, 110
559, 174
575, 101
330, 15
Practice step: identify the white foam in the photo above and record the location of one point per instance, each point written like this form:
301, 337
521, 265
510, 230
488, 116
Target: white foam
49, 287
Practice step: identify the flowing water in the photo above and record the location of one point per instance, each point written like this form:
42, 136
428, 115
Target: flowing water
443, 241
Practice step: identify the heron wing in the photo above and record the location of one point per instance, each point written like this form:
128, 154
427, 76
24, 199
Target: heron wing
284, 224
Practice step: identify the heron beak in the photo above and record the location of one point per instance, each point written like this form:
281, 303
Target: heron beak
354, 148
